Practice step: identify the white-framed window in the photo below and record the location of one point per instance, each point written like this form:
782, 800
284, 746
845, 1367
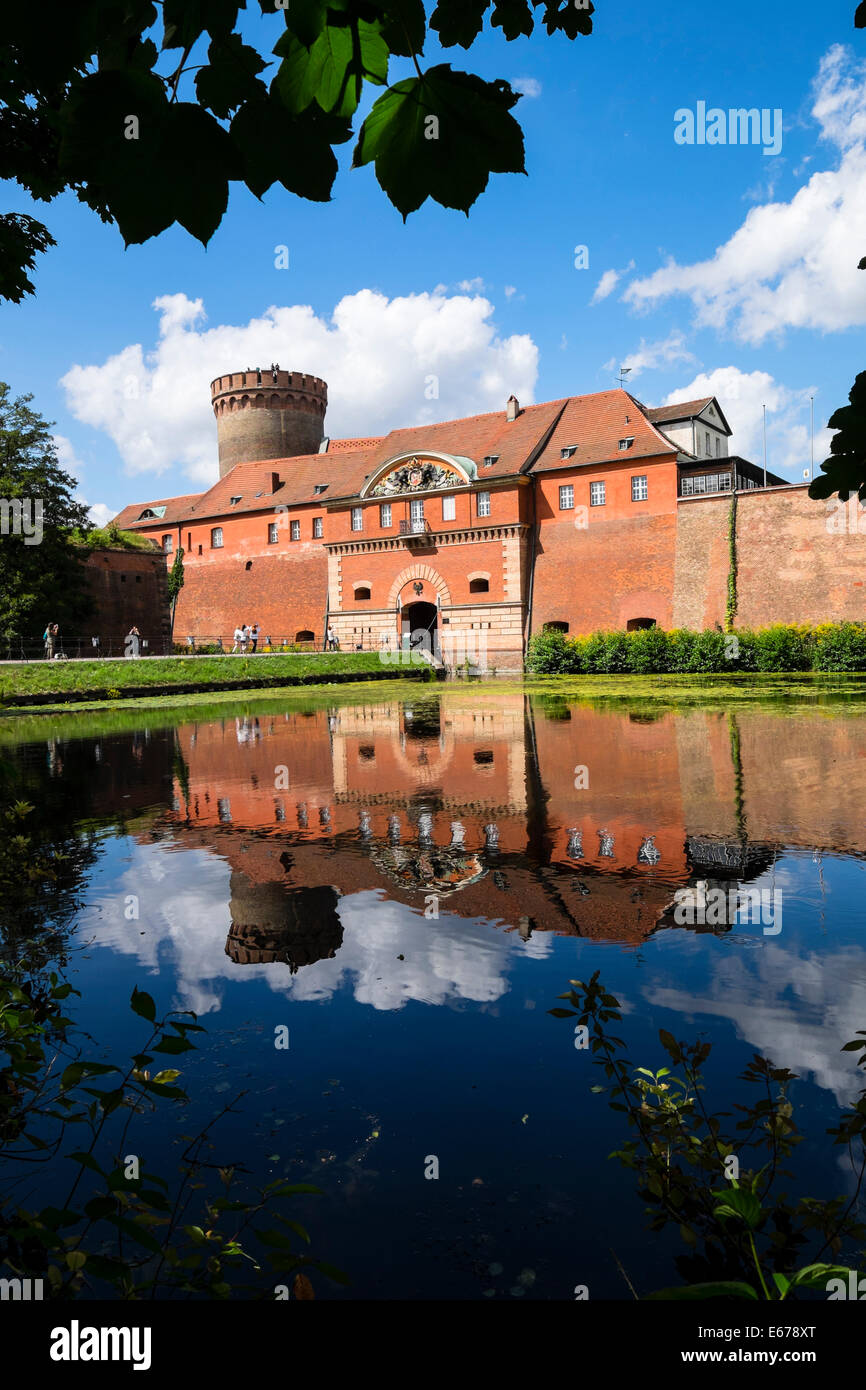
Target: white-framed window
596, 494
168, 544
626, 443
317, 528
216, 538
707, 441
483, 503
385, 515
416, 513
273, 532
566, 497
449, 508
568, 451
718, 447
639, 488
357, 518
294, 530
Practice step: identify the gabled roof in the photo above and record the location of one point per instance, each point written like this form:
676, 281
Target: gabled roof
596, 424
684, 410
172, 510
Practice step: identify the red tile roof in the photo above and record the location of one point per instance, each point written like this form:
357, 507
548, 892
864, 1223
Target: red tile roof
681, 410
532, 442
176, 508
596, 424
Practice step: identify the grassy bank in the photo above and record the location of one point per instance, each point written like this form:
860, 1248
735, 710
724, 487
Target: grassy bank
50, 682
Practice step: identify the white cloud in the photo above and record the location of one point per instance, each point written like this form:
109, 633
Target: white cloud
527, 86
664, 353
794, 264
742, 396
510, 291
377, 355
606, 285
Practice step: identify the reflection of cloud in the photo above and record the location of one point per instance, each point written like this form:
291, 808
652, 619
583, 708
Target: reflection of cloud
185, 917
797, 1010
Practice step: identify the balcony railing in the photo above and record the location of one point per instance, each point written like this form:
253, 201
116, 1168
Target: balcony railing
417, 527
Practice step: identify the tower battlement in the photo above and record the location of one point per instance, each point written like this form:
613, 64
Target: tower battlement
266, 413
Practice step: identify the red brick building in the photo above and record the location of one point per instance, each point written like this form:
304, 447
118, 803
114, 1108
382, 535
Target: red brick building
583, 513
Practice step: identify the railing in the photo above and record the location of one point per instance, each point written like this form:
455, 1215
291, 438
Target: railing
416, 527
83, 648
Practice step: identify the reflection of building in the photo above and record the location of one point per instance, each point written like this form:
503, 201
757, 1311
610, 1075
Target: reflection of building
468, 534
556, 818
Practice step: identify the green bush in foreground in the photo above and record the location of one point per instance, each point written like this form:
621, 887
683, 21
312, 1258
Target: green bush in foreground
654, 651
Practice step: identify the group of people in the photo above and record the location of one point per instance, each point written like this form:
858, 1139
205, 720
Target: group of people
246, 637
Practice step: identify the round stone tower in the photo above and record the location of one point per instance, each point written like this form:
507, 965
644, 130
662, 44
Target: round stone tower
264, 413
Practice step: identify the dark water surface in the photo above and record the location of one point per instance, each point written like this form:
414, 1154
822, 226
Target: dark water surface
286, 866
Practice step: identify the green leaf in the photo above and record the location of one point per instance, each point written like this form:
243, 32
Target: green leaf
730, 1288
739, 1202
163, 1078
458, 21
169, 1043
231, 76
294, 150
143, 1005
441, 136
562, 1013
186, 20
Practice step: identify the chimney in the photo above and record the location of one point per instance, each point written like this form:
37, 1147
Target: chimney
513, 409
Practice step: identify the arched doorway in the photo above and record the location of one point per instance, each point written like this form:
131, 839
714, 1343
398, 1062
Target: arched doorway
421, 618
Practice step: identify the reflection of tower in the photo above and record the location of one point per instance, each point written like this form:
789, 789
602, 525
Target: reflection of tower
275, 922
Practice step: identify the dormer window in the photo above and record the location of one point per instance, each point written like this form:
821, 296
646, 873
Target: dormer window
626, 444
320, 487
568, 451
233, 500
490, 459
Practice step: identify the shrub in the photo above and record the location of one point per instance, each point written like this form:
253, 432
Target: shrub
548, 654
839, 647
648, 651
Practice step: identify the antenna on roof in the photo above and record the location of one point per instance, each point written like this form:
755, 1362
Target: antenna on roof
624, 373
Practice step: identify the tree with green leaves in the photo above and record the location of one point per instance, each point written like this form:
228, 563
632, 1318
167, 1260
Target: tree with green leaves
175, 580
845, 470
148, 113
42, 578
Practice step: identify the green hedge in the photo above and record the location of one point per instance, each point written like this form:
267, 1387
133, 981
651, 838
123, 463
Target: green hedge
829, 647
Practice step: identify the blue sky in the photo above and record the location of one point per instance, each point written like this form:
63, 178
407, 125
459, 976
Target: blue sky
711, 268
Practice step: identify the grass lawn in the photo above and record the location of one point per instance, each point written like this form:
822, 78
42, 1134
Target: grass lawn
102, 678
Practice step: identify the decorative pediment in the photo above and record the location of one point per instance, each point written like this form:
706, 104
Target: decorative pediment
411, 473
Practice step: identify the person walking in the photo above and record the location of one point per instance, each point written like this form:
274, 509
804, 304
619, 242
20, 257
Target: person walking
239, 639
332, 639
254, 637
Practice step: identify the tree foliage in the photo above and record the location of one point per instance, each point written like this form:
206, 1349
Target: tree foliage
845, 470
148, 113
41, 576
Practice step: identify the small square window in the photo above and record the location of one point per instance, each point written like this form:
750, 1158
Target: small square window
483, 503
639, 488
273, 532
294, 530
566, 498
357, 518
385, 515
596, 494
449, 508
317, 528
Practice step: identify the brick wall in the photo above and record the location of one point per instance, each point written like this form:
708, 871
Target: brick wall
129, 589
284, 593
798, 561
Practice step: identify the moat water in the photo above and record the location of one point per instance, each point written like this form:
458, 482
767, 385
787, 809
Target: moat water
406, 885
